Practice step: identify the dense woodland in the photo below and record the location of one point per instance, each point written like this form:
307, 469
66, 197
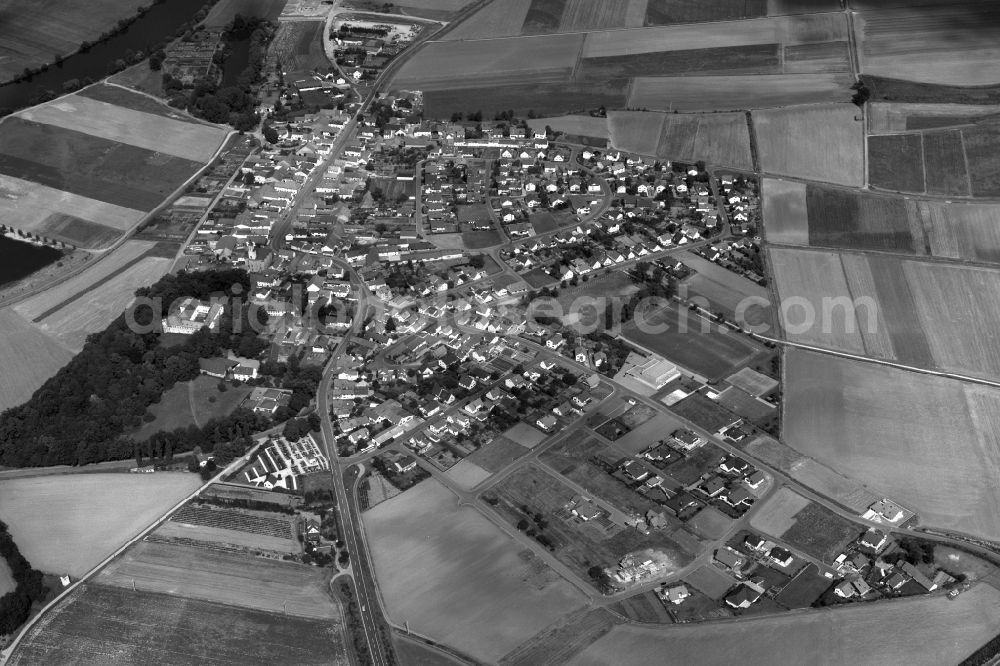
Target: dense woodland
80, 415
15, 607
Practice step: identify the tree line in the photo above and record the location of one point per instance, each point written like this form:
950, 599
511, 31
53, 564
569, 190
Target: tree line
15, 607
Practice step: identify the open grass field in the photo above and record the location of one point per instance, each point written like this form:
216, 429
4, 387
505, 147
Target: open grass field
819, 532
526, 435
228, 578
813, 474
128, 99
92, 312
955, 43
692, 342
187, 403
71, 218
498, 454
724, 93
445, 65
32, 32
99, 624
727, 292
711, 581
896, 162
666, 12
52, 299
777, 515
821, 142
918, 630
28, 357
90, 166
467, 474
813, 279
891, 429
437, 562
196, 142
68, 524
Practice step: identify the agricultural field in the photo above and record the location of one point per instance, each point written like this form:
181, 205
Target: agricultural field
735, 296
96, 622
783, 209
666, 12
196, 142
498, 454
807, 282
128, 99
28, 356
298, 46
891, 429
70, 218
729, 93
467, 474
496, 19
90, 166
717, 138
896, 162
230, 578
945, 164
822, 142
47, 302
635, 131
819, 532
575, 125
88, 515
981, 143
920, 630
580, 15
954, 43
92, 312
447, 65
33, 31
255, 528
711, 581
890, 117
912, 92
541, 98
749, 59
556, 644
436, 562
959, 231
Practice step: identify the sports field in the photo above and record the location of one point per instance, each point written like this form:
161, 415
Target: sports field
891, 429
822, 142
921, 630
691, 341
726, 93
28, 357
90, 166
437, 562
954, 43
32, 32
151, 131
101, 625
87, 515
230, 578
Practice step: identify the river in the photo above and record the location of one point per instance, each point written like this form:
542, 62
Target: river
154, 27
19, 259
